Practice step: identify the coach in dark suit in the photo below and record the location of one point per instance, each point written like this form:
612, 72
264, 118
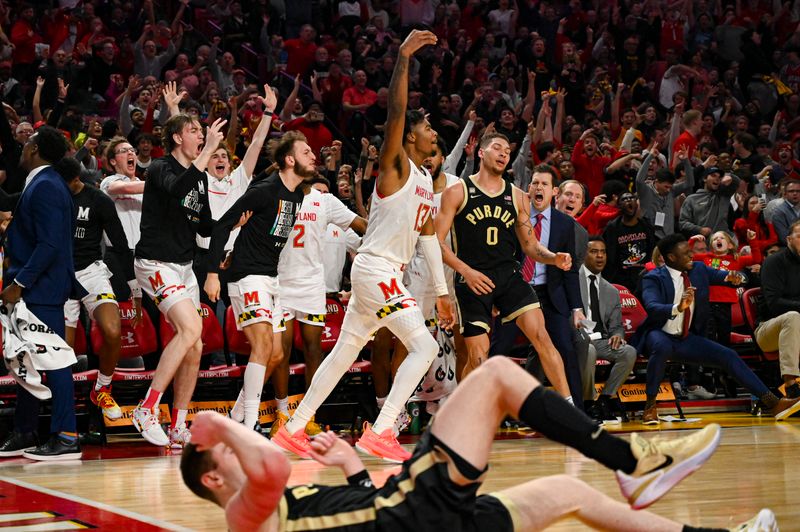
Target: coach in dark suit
558, 291
676, 299
41, 273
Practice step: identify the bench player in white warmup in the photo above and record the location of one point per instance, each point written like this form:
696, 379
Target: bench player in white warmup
400, 213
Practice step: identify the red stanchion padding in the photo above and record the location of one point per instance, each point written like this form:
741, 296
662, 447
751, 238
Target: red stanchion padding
136, 341
237, 341
334, 317
81, 346
633, 313
212, 336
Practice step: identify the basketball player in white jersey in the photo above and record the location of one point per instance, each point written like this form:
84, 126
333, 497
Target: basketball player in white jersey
337, 244
225, 187
420, 283
400, 213
126, 190
302, 284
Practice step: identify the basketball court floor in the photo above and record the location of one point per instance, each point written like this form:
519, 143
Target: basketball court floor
131, 485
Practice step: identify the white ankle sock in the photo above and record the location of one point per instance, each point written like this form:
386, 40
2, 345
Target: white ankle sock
386, 418
237, 412
283, 406
102, 380
251, 392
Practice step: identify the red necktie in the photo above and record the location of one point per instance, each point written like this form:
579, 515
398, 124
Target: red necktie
529, 265
687, 314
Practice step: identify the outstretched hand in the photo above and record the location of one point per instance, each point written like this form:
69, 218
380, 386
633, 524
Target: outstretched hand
416, 40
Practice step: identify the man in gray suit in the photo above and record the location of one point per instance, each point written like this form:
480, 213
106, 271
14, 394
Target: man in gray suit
601, 305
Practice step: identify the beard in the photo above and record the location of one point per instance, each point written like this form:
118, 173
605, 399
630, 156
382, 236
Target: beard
305, 173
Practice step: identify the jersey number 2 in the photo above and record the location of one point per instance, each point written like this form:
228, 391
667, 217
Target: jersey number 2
298, 238
422, 216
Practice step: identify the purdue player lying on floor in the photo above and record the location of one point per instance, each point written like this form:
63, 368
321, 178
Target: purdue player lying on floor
436, 489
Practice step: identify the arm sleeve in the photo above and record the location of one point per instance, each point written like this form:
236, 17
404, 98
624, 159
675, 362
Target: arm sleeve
655, 308
52, 213
115, 233
177, 185
685, 221
252, 200
451, 162
688, 184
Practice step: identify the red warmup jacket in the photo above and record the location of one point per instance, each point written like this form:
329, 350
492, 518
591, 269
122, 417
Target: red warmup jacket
590, 170
763, 239
594, 219
726, 294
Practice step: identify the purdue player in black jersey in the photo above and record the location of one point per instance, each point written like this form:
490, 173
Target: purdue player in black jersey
95, 215
436, 489
272, 205
487, 217
174, 210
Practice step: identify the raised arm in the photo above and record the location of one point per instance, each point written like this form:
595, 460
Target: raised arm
393, 163
288, 106
451, 162
265, 467
270, 100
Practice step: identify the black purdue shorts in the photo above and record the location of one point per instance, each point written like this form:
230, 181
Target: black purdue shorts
511, 295
442, 495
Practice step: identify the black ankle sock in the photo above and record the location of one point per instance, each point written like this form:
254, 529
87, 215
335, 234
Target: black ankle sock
687, 528
548, 413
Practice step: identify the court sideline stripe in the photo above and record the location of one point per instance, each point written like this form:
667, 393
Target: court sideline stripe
99, 505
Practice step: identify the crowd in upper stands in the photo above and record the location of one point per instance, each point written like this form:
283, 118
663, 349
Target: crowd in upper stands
693, 106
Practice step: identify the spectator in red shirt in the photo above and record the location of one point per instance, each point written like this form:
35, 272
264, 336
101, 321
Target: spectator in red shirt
312, 126
355, 102
24, 37
589, 163
300, 52
604, 207
692, 124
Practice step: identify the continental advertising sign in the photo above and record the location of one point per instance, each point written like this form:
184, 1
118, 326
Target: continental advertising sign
266, 411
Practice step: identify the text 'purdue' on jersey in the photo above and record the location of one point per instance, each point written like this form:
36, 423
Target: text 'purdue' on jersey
483, 232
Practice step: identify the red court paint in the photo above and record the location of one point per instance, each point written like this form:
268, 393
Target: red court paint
23, 504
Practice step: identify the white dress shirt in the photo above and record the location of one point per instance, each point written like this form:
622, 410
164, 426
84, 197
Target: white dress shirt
33, 174
540, 275
675, 325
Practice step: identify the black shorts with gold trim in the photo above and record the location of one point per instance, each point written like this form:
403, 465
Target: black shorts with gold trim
511, 295
436, 491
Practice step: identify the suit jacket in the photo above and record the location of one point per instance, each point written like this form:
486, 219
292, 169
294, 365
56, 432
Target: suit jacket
658, 295
562, 287
610, 309
39, 243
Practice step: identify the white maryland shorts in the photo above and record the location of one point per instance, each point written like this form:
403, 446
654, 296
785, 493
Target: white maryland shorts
96, 279
167, 283
304, 305
256, 299
379, 299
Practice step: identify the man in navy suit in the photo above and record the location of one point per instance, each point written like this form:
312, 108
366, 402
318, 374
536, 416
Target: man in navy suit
676, 299
558, 290
39, 247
